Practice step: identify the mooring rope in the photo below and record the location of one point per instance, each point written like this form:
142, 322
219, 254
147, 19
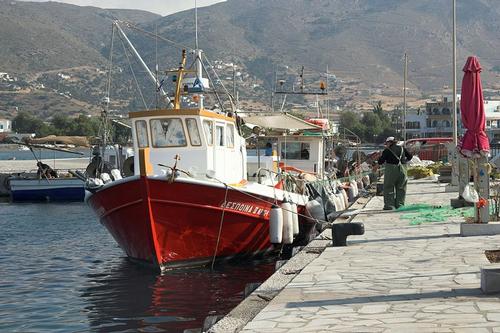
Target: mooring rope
220, 226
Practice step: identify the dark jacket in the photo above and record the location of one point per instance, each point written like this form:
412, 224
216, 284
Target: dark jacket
393, 157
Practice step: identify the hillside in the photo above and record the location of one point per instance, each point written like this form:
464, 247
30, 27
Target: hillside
47, 36
62, 50
43, 42
363, 39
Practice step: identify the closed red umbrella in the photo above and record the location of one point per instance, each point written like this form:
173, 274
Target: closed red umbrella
475, 142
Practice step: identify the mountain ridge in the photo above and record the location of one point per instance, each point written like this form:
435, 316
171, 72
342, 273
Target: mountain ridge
362, 42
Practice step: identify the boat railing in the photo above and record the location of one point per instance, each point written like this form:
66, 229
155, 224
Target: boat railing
349, 136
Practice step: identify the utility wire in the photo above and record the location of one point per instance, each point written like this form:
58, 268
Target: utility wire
153, 35
133, 74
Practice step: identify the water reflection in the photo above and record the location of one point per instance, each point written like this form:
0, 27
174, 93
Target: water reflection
60, 271
134, 298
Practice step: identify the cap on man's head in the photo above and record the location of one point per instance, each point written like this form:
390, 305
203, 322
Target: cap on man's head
390, 139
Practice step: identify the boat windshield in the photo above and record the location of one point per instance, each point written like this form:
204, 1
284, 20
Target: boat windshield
295, 150
142, 133
194, 133
167, 132
208, 128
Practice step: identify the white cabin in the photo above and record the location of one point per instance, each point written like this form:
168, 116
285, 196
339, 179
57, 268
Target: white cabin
302, 152
297, 143
205, 141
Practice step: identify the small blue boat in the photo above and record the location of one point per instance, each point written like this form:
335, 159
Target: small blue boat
47, 190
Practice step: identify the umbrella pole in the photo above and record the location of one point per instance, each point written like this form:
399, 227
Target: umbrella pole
482, 185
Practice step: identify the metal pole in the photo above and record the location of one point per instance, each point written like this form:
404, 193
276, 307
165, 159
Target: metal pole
141, 61
404, 96
455, 119
196, 23
458, 178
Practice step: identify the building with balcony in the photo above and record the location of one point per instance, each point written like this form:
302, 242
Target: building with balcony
436, 120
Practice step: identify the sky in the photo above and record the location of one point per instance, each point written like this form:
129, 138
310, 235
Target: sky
162, 7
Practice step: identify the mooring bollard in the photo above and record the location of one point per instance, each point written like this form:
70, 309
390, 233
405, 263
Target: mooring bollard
340, 231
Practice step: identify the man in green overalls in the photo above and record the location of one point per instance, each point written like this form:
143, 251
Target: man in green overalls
395, 158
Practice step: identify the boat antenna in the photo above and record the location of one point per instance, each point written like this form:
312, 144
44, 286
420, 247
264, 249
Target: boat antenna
157, 67
196, 23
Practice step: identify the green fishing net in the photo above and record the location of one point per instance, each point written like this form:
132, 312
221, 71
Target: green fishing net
424, 213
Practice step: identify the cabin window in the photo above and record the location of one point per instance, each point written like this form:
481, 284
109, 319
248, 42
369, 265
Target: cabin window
194, 133
219, 135
230, 136
141, 130
208, 129
295, 151
168, 132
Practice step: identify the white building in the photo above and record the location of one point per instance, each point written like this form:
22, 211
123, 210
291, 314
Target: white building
436, 120
5, 126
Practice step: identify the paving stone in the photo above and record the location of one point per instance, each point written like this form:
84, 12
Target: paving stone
269, 315
260, 324
488, 306
493, 316
471, 330
394, 278
377, 308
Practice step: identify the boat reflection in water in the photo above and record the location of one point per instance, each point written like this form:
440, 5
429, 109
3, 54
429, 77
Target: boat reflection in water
133, 298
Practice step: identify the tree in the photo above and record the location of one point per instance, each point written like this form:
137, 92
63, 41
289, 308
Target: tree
377, 109
84, 126
26, 123
373, 126
352, 121
62, 124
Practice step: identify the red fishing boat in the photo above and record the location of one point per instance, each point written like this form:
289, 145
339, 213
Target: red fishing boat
189, 201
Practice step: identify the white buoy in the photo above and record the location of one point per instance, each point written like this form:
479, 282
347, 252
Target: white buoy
366, 180
116, 174
295, 218
315, 210
336, 202
346, 200
356, 188
360, 186
105, 178
340, 200
276, 225
350, 193
94, 183
287, 222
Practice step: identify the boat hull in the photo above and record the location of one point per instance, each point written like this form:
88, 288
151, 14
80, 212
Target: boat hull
181, 223
47, 190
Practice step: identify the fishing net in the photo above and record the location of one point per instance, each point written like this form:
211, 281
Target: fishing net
424, 213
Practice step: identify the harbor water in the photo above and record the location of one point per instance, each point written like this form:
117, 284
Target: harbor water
60, 271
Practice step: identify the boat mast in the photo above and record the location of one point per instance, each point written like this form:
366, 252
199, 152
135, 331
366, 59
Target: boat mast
180, 75
197, 53
196, 24
148, 71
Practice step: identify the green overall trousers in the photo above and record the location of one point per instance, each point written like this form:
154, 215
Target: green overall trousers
395, 180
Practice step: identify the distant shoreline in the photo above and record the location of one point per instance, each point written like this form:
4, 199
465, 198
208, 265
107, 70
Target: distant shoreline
22, 166
8, 147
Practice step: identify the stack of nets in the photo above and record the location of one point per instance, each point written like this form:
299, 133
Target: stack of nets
424, 213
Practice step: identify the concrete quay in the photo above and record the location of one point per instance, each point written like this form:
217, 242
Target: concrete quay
395, 278
16, 166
